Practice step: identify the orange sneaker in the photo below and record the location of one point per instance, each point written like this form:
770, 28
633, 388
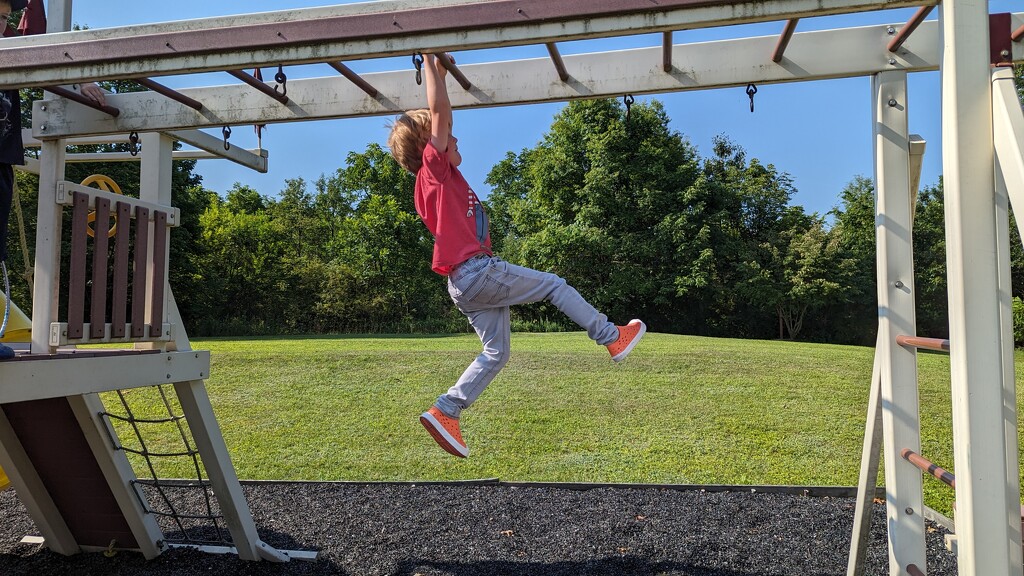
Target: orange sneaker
629, 336
445, 431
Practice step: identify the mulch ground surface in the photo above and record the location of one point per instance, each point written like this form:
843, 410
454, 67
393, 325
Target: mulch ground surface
431, 530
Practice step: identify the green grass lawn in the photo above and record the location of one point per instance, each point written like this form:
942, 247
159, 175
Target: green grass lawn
681, 409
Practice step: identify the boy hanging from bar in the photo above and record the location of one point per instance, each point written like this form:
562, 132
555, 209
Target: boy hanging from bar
482, 285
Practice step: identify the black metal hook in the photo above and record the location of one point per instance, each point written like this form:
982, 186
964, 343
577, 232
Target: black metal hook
227, 134
417, 61
133, 139
751, 90
628, 101
281, 79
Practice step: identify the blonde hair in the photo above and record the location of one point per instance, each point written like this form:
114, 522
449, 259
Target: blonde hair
409, 136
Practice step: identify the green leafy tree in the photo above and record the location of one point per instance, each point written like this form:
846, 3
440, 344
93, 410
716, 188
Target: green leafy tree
378, 277
245, 271
816, 273
601, 202
856, 316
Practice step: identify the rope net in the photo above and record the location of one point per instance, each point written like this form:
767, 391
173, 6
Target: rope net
171, 481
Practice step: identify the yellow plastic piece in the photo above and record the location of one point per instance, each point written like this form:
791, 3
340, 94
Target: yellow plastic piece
103, 183
4, 482
19, 326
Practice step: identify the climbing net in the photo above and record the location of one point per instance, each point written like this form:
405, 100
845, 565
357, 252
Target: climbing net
162, 451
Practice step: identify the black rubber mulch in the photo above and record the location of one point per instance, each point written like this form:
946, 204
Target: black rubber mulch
406, 530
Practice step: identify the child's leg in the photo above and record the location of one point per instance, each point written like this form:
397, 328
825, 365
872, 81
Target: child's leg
492, 325
504, 284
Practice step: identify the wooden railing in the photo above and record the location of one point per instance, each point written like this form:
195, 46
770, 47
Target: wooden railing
144, 262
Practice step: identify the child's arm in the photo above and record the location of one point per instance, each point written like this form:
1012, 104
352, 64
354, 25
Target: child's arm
437, 101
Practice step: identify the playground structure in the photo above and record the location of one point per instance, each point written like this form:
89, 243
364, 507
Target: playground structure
56, 441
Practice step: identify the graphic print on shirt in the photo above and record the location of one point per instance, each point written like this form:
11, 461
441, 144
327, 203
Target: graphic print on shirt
483, 223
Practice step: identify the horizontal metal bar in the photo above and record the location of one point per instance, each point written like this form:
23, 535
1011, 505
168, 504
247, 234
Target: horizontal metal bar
354, 78
176, 155
787, 35
76, 97
666, 52
935, 344
345, 33
455, 72
826, 54
172, 94
259, 85
929, 467
256, 160
210, 147
909, 27
556, 59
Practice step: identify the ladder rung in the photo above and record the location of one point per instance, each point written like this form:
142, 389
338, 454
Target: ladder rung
936, 344
929, 467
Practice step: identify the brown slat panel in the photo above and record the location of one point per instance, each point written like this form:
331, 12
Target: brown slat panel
76, 275
61, 455
98, 316
139, 276
156, 311
119, 306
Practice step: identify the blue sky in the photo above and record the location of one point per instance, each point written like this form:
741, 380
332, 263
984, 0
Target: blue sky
818, 132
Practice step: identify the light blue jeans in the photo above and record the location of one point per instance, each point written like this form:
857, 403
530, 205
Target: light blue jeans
483, 288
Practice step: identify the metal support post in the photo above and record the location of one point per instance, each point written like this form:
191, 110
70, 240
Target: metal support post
155, 186
48, 229
1008, 135
868, 480
987, 492
898, 365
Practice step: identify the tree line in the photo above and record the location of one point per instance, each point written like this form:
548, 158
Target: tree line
620, 205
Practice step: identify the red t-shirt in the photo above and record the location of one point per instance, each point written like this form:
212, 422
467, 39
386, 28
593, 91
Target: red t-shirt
451, 211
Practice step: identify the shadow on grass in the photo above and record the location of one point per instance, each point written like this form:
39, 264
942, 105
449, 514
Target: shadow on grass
615, 566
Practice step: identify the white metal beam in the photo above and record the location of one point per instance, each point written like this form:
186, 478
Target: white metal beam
867, 482
38, 379
1009, 139
216, 146
90, 58
66, 190
1008, 131
898, 366
46, 285
987, 517
810, 56
127, 157
210, 147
